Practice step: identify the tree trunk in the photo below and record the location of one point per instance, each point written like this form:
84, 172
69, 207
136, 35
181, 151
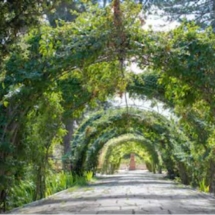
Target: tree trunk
3, 198
183, 173
66, 142
9, 136
212, 175
40, 181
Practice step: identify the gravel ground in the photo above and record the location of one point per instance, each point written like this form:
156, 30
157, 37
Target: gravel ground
127, 192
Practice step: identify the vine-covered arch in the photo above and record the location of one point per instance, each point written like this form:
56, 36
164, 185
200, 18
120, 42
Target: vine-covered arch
95, 132
116, 148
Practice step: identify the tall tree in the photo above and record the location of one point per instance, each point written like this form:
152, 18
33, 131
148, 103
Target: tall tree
18, 15
203, 12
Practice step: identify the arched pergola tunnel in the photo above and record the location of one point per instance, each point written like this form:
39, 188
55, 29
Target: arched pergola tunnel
155, 132
115, 149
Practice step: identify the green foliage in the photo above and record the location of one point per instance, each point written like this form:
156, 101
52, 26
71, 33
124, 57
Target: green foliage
146, 85
115, 149
18, 17
57, 182
189, 56
88, 175
35, 79
184, 60
44, 129
24, 191
161, 134
203, 186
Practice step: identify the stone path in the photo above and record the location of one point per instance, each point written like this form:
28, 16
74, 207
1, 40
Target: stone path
128, 192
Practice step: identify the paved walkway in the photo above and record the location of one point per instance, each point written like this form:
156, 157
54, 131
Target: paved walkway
128, 192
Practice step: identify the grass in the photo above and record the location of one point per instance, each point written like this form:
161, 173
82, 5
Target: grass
203, 187
23, 193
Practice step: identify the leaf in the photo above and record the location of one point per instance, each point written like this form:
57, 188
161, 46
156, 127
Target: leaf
6, 103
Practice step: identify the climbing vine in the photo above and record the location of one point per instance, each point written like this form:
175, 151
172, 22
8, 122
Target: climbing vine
95, 132
114, 150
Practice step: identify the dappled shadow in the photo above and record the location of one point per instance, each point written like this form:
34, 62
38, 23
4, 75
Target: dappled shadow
130, 183
89, 205
127, 197
127, 194
131, 180
132, 175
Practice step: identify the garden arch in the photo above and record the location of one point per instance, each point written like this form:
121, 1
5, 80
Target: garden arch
113, 151
97, 130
